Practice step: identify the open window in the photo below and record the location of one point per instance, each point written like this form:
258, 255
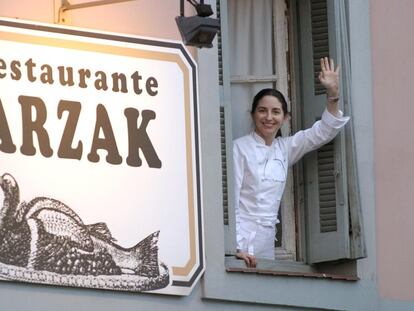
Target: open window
278, 43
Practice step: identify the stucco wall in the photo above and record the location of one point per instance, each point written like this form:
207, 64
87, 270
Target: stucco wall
393, 66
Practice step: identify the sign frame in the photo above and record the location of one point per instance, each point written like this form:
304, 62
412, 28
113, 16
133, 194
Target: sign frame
177, 280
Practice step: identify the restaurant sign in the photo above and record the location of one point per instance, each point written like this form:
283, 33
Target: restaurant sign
100, 162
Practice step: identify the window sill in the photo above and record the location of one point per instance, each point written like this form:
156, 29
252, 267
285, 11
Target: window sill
283, 268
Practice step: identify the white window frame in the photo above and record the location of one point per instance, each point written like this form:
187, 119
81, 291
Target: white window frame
294, 233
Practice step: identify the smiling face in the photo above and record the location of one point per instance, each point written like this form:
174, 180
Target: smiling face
268, 118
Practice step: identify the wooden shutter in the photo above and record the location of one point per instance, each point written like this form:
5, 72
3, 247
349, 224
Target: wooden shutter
356, 230
225, 128
325, 170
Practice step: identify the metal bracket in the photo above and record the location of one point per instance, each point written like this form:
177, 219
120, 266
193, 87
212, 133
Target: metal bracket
63, 6
62, 16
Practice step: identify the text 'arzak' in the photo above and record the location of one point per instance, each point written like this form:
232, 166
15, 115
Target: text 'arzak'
34, 115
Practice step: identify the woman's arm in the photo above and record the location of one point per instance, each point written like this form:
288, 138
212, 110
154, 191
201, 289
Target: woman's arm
329, 77
332, 120
321, 132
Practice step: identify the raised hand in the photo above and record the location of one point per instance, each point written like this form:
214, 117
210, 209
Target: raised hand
329, 76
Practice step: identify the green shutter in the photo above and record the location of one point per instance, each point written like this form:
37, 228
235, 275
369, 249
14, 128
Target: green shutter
225, 128
327, 209
356, 231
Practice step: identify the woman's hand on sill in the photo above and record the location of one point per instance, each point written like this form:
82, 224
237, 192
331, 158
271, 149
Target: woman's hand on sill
250, 260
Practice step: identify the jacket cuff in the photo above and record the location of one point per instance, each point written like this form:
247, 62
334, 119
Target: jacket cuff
333, 121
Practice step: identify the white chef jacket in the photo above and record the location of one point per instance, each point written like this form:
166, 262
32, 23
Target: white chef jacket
260, 173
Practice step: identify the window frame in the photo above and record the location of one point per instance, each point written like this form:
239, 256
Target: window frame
295, 240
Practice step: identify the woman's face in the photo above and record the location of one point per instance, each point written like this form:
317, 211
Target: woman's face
268, 118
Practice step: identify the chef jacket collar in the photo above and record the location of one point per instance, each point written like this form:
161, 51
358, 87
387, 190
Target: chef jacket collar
259, 140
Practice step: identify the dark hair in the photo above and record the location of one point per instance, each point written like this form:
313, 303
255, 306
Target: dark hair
269, 92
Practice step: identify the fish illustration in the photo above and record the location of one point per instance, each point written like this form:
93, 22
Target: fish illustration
46, 234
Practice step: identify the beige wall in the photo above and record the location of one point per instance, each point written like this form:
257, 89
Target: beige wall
138, 17
393, 86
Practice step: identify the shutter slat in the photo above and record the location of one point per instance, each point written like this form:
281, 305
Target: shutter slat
327, 228
323, 160
327, 191
326, 206
326, 181
328, 167
328, 216
327, 197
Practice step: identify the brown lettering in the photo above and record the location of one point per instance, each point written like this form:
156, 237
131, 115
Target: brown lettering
138, 139
116, 79
47, 74
151, 83
15, 68
108, 142
83, 74
31, 126
29, 66
62, 77
6, 144
65, 148
3, 66
100, 83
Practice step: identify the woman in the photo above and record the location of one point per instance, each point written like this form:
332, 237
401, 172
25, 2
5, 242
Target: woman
261, 163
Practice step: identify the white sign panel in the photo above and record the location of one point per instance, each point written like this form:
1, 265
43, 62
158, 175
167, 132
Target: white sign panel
99, 160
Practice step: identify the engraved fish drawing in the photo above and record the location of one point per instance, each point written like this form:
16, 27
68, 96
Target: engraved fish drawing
46, 235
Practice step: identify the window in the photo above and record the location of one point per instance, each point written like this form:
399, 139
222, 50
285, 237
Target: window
253, 70
260, 40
